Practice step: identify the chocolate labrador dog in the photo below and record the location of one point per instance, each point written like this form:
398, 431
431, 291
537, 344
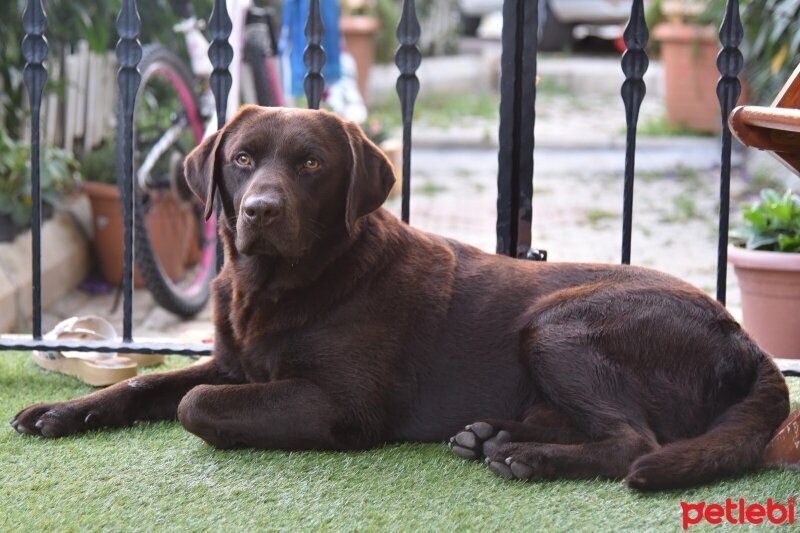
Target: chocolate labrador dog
339, 327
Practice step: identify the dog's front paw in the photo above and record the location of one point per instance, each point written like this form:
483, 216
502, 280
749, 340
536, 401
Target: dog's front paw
521, 460
478, 440
54, 419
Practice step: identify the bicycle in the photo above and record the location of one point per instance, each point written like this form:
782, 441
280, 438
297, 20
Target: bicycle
170, 118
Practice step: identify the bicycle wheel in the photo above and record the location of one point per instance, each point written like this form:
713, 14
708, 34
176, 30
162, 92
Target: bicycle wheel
260, 59
175, 248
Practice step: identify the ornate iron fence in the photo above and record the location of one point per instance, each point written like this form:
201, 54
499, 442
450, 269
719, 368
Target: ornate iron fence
515, 155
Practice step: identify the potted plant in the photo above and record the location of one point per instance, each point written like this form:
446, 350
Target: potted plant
764, 254
170, 241
359, 29
687, 34
57, 174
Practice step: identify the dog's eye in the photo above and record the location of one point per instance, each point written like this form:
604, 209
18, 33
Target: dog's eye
243, 159
311, 164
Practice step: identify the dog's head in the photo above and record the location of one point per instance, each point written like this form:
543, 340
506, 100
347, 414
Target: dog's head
288, 178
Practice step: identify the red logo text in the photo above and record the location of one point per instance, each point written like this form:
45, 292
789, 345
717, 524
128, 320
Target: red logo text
738, 512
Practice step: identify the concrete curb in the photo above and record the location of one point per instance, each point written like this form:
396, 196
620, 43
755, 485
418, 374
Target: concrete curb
578, 75
486, 137
65, 263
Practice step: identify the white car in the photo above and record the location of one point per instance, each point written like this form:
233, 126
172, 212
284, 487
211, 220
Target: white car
558, 19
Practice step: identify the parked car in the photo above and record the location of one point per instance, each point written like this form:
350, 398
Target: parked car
558, 19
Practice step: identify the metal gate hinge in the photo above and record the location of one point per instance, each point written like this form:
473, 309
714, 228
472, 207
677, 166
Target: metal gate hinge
535, 254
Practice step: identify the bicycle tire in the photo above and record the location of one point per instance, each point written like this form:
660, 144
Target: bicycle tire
189, 300
259, 57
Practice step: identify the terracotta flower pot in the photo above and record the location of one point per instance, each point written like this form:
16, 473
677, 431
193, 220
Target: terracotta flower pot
171, 228
770, 286
689, 55
358, 33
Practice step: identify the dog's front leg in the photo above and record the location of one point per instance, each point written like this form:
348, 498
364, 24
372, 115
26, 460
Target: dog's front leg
292, 414
151, 397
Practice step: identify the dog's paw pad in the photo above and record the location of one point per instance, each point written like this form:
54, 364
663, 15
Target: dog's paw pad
521, 470
470, 443
501, 469
464, 453
490, 445
467, 439
483, 430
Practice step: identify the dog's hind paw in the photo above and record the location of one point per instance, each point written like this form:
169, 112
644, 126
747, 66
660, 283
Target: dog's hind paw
478, 440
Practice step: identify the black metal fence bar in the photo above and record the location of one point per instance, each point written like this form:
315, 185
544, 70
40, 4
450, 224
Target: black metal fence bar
729, 62
34, 51
220, 53
634, 66
408, 59
517, 116
106, 346
314, 56
129, 52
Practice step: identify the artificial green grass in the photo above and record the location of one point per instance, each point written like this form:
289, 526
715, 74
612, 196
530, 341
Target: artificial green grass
159, 477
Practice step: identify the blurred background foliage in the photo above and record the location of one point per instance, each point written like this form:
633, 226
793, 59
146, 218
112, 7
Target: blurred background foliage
69, 21
772, 45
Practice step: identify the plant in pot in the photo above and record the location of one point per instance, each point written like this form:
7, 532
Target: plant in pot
360, 27
765, 253
687, 34
58, 172
173, 243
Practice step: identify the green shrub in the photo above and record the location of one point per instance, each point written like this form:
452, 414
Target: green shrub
69, 21
772, 45
58, 172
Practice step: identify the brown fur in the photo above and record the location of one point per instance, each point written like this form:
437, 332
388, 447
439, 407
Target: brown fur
339, 327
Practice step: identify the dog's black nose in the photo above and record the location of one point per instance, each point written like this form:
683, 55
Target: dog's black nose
263, 208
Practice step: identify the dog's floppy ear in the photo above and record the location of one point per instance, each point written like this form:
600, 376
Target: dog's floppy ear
371, 176
200, 169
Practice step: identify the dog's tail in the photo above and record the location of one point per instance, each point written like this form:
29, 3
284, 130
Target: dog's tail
733, 444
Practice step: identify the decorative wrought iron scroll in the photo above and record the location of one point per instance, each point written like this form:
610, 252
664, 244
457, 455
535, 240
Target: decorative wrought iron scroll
34, 51
408, 59
634, 66
314, 56
129, 52
220, 53
729, 62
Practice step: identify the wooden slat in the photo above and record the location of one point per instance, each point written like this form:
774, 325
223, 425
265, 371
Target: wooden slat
775, 129
789, 95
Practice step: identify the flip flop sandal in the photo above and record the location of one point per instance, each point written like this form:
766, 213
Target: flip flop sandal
94, 368
98, 328
97, 372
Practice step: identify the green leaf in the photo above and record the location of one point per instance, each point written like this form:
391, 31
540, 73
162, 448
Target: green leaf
761, 242
789, 243
771, 224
